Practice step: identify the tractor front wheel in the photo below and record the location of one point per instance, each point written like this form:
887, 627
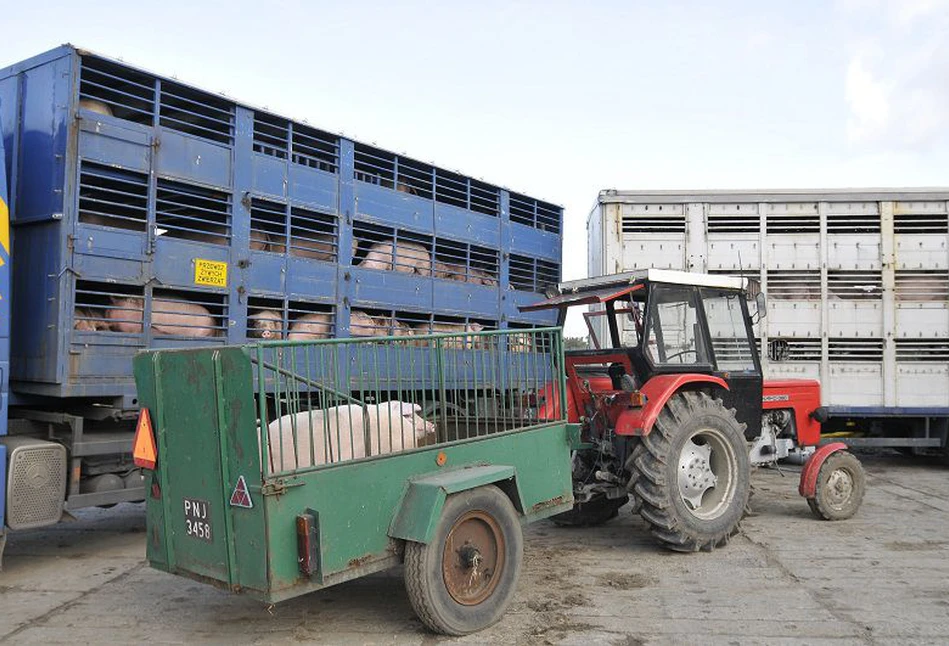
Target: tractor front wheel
692, 473
841, 484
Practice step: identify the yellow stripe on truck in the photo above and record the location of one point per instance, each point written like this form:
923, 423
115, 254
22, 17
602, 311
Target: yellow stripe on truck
4, 226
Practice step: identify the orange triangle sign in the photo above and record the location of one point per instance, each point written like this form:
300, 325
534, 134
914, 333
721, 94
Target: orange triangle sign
241, 497
144, 453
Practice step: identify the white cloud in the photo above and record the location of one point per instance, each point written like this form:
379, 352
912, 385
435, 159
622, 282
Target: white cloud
869, 103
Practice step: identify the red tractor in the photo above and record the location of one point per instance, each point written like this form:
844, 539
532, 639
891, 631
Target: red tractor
675, 412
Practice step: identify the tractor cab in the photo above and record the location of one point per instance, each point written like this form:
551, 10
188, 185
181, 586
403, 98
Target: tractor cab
662, 323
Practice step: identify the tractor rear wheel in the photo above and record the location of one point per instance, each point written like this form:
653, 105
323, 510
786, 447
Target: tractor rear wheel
841, 484
692, 473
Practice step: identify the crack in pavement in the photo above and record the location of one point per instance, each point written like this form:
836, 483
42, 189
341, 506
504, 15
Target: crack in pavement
42, 619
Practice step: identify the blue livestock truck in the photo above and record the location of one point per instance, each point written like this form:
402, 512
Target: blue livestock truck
141, 212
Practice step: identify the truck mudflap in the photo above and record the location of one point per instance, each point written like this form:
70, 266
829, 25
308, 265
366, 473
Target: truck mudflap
808, 486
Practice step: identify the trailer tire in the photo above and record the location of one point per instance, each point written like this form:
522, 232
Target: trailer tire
841, 484
478, 530
693, 474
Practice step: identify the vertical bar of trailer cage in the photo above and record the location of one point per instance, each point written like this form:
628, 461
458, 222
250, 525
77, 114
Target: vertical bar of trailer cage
399, 379
558, 354
414, 353
474, 372
307, 360
278, 413
334, 358
324, 405
264, 427
461, 380
225, 463
293, 396
440, 376
377, 397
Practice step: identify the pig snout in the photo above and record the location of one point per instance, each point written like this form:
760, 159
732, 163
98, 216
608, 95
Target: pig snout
267, 325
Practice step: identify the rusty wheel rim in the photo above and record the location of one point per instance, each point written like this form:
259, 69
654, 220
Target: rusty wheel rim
473, 558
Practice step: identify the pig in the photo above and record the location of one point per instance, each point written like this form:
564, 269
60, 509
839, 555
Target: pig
259, 241
316, 246
96, 106
391, 426
266, 325
363, 324
482, 277
310, 326
196, 231
172, 317
409, 258
462, 342
519, 342
448, 271
89, 319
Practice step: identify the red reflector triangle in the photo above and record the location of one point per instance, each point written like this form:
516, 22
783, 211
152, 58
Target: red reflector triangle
144, 453
241, 497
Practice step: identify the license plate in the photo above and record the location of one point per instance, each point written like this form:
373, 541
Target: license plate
198, 519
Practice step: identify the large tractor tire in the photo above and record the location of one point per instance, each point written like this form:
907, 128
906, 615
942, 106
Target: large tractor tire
692, 473
841, 483
464, 579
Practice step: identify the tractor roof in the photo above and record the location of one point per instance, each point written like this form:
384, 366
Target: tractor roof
601, 289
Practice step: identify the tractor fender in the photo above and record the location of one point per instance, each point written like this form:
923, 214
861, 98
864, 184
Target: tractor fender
808, 486
658, 391
424, 498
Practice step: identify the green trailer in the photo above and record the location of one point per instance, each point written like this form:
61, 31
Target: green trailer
286, 467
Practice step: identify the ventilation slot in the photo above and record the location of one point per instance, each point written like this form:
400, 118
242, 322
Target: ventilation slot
860, 350
180, 313
312, 235
378, 247
196, 113
268, 226
414, 178
920, 217
266, 319
315, 148
922, 285
125, 93
108, 307
112, 197
310, 321
922, 350
794, 285
192, 213
793, 218
792, 349
855, 285
374, 166
534, 213
271, 135
858, 218
466, 263
655, 218
532, 275
733, 218
451, 188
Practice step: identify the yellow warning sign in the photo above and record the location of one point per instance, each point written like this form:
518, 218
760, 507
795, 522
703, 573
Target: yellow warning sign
210, 272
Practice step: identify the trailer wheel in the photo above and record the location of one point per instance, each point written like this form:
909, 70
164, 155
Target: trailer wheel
464, 579
692, 473
841, 484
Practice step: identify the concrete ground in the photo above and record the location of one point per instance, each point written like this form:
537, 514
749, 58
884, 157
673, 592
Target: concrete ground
879, 578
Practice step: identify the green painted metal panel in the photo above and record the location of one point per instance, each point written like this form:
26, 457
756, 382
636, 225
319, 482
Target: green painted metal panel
422, 504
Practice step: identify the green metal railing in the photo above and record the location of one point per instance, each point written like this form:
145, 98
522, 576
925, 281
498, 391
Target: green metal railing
331, 400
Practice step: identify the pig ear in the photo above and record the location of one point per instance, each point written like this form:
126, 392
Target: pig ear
408, 408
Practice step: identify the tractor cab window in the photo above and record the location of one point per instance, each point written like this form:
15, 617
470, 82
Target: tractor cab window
728, 333
674, 335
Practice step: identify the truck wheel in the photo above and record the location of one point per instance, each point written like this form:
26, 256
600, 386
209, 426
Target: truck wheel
593, 512
464, 579
841, 484
693, 473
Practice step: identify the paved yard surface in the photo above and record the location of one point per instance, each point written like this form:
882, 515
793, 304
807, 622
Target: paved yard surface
880, 578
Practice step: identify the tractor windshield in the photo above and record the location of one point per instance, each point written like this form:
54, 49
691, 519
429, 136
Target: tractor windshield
673, 333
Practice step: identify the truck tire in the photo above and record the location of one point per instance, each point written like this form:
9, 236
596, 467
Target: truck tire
464, 579
841, 484
693, 474
593, 512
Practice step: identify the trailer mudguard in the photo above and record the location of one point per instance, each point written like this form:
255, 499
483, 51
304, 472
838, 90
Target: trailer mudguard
808, 486
657, 391
422, 503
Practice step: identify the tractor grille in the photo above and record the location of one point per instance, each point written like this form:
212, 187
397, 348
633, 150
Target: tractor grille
37, 484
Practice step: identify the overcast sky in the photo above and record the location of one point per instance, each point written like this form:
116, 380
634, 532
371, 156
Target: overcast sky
562, 99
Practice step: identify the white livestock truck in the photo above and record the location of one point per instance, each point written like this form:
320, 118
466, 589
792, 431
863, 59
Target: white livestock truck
857, 282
